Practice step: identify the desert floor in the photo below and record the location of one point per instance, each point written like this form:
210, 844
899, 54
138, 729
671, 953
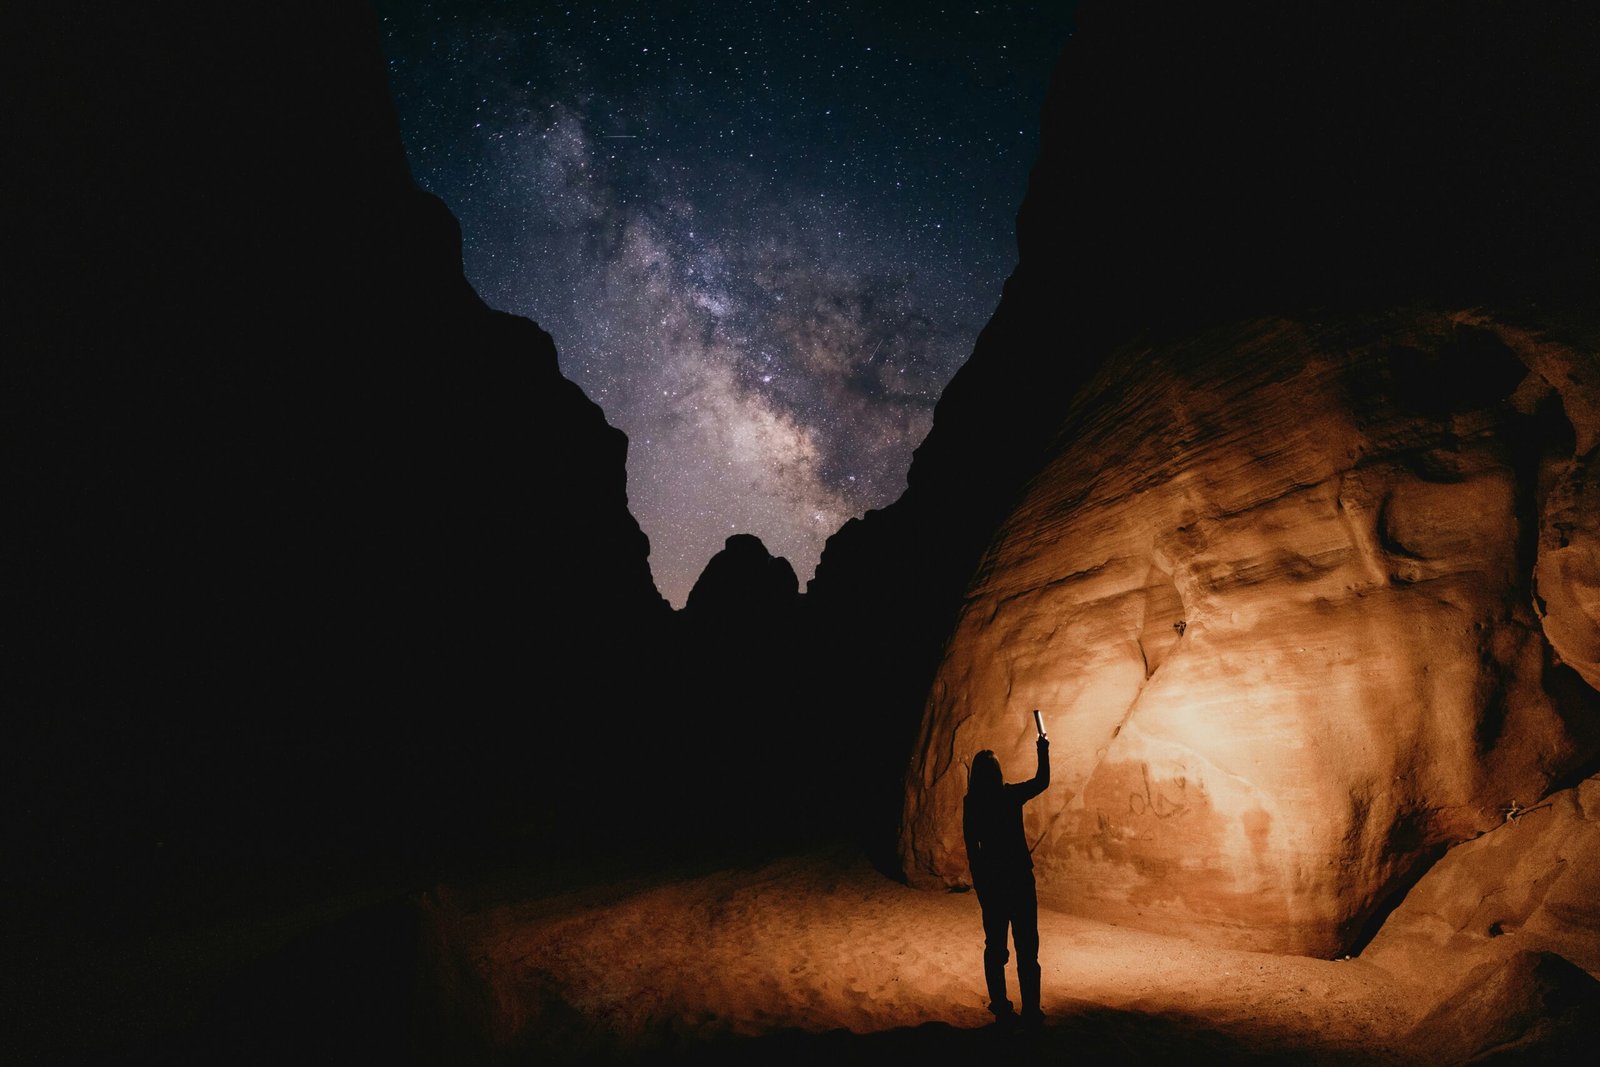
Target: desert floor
820, 958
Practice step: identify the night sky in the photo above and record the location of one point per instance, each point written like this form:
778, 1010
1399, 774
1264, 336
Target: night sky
764, 236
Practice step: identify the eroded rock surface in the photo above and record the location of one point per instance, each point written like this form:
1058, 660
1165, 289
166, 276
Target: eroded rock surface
1534, 1007
1274, 594
1531, 884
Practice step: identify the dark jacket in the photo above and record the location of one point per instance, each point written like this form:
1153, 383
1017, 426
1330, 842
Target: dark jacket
997, 849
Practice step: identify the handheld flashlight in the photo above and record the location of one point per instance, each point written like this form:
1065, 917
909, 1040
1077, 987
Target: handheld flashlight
1038, 720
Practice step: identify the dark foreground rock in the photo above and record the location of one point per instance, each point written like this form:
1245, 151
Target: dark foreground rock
312, 559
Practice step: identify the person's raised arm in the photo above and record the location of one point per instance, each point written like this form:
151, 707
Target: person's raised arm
1041, 779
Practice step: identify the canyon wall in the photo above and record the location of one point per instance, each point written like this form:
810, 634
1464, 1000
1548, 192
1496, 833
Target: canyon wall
311, 549
1206, 165
1284, 431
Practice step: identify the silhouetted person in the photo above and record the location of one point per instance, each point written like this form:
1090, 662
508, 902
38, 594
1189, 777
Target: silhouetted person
1002, 873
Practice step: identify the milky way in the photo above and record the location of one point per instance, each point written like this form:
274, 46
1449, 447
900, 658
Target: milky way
763, 236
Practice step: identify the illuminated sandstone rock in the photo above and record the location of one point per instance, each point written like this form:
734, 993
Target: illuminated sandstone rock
1567, 578
1274, 595
1530, 884
1206, 163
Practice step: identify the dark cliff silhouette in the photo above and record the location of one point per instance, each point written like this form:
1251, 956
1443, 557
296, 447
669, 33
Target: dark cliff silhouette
744, 670
742, 581
276, 461
314, 560
1206, 163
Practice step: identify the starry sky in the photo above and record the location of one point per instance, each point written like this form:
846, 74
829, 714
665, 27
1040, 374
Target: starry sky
763, 235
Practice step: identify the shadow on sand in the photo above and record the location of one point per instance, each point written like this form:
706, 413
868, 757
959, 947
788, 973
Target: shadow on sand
1085, 1033
1091, 1035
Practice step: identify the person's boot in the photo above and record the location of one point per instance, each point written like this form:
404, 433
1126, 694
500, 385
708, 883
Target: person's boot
994, 975
1028, 989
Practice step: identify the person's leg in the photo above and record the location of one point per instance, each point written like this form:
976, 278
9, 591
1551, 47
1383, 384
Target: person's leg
995, 920
1025, 930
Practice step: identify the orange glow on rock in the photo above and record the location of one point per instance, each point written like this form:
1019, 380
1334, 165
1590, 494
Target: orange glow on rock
1282, 633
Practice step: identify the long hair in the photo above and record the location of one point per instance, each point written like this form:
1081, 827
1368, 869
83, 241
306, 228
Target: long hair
985, 779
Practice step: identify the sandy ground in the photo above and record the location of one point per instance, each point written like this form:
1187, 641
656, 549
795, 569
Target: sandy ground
820, 957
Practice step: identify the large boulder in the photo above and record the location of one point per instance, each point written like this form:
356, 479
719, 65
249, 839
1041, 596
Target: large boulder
1274, 594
